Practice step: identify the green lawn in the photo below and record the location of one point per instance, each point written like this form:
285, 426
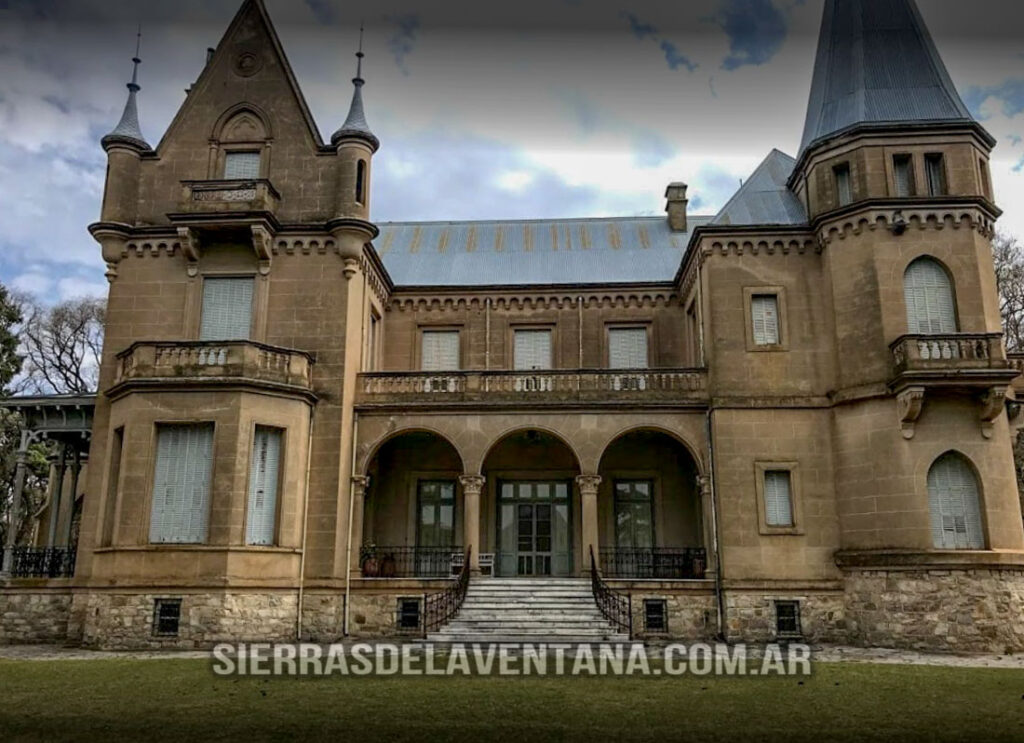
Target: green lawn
181, 700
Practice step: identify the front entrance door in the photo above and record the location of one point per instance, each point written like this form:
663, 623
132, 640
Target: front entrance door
534, 527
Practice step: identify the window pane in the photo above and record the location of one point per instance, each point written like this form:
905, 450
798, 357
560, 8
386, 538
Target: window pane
936, 170
953, 501
440, 350
241, 165
263, 481
778, 503
764, 312
627, 348
634, 524
844, 192
929, 298
903, 175
532, 349
227, 309
181, 487
436, 522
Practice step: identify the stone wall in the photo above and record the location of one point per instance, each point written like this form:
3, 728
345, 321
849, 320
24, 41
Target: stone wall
948, 610
323, 616
751, 616
375, 614
126, 620
34, 617
689, 616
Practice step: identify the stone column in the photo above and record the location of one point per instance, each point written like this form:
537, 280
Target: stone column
14, 517
588, 485
472, 485
57, 494
76, 470
707, 511
359, 485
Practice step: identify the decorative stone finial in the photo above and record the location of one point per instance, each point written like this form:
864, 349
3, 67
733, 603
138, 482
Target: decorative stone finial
127, 131
355, 126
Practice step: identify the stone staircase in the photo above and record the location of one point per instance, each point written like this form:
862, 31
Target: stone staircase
536, 610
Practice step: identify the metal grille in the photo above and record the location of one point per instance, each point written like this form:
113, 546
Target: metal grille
787, 618
415, 562
656, 562
438, 608
616, 607
166, 617
42, 562
655, 615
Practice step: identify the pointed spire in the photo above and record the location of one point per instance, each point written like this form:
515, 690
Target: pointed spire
355, 125
127, 130
877, 66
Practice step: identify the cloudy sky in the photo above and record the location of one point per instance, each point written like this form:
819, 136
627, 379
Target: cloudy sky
484, 110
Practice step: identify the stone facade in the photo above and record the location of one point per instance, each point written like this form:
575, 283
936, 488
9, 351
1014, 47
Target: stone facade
751, 616
28, 616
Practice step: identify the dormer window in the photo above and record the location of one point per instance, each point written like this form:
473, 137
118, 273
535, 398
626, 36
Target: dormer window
844, 191
241, 165
935, 169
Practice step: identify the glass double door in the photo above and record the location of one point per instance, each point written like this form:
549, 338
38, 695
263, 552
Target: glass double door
534, 528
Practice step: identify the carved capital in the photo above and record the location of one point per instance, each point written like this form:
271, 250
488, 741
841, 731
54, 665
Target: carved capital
588, 484
359, 485
350, 268
189, 240
909, 404
262, 243
472, 485
993, 402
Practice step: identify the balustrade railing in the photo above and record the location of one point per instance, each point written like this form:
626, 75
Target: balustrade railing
42, 562
954, 350
684, 563
412, 562
439, 608
616, 607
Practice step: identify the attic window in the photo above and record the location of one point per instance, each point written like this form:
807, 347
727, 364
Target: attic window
240, 165
844, 192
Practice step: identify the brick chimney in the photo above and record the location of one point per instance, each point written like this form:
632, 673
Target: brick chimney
675, 205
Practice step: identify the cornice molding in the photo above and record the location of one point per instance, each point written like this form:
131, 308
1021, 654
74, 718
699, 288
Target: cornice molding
874, 218
533, 301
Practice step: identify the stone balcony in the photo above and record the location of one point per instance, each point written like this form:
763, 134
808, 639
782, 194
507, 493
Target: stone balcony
168, 364
951, 360
227, 200
627, 387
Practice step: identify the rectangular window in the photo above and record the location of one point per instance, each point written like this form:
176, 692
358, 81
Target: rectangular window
372, 342
166, 617
778, 498
655, 615
264, 475
787, 618
694, 328
532, 349
986, 184
436, 504
844, 190
634, 517
440, 350
181, 488
408, 615
903, 175
627, 348
227, 309
764, 313
935, 168
238, 165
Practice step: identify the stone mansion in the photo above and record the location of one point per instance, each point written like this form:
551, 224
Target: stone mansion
793, 418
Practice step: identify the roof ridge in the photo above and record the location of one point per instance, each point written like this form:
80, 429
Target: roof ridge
535, 221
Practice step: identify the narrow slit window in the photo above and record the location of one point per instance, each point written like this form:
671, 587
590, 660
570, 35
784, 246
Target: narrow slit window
844, 189
361, 181
986, 184
264, 474
903, 175
935, 167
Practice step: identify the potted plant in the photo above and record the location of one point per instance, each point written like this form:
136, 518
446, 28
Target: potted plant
368, 560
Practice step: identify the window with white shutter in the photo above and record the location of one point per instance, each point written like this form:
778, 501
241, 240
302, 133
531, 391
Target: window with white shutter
929, 298
227, 309
627, 348
903, 174
181, 487
778, 498
844, 189
241, 165
264, 474
954, 506
440, 350
532, 349
764, 314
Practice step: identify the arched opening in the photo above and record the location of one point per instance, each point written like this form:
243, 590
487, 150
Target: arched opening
531, 513
649, 511
953, 500
928, 293
241, 134
412, 515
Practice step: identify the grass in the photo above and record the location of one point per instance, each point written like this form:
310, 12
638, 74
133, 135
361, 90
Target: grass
181, 700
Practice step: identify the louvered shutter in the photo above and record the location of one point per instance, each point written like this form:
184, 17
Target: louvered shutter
954, 506
778, 498
929, 298
181, 488
241, 165
843, 190
902, 176
227, 309
627, 348
532, 349
764, 312
264, 469
440, 350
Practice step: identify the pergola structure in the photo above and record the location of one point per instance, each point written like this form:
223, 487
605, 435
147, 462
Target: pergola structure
65, 420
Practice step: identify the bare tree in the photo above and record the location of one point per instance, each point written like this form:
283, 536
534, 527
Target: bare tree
61, 345
1008, 258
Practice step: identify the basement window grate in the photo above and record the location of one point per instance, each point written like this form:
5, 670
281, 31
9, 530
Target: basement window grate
166, 617
655, 615
787, 618
408, 617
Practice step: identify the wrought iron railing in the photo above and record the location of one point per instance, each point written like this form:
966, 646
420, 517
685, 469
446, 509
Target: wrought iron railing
439, 608
412, 562
655, 562
42, 562
616, 607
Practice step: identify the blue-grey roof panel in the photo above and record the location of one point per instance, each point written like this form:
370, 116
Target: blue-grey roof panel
532, 252
764, 198
877, 64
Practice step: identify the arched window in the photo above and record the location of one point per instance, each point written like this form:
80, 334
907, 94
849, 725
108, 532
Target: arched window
929, 298
953, 501
361, 181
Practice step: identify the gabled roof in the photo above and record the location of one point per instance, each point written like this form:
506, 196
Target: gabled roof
764, 198
877, 65
619, 250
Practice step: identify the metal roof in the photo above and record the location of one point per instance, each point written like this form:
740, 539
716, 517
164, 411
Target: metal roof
877, 64
533, 252
764, 197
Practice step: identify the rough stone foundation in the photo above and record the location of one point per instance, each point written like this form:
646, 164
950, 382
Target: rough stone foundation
34, 617
323, 616
948, 610
689, 616
751, 616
